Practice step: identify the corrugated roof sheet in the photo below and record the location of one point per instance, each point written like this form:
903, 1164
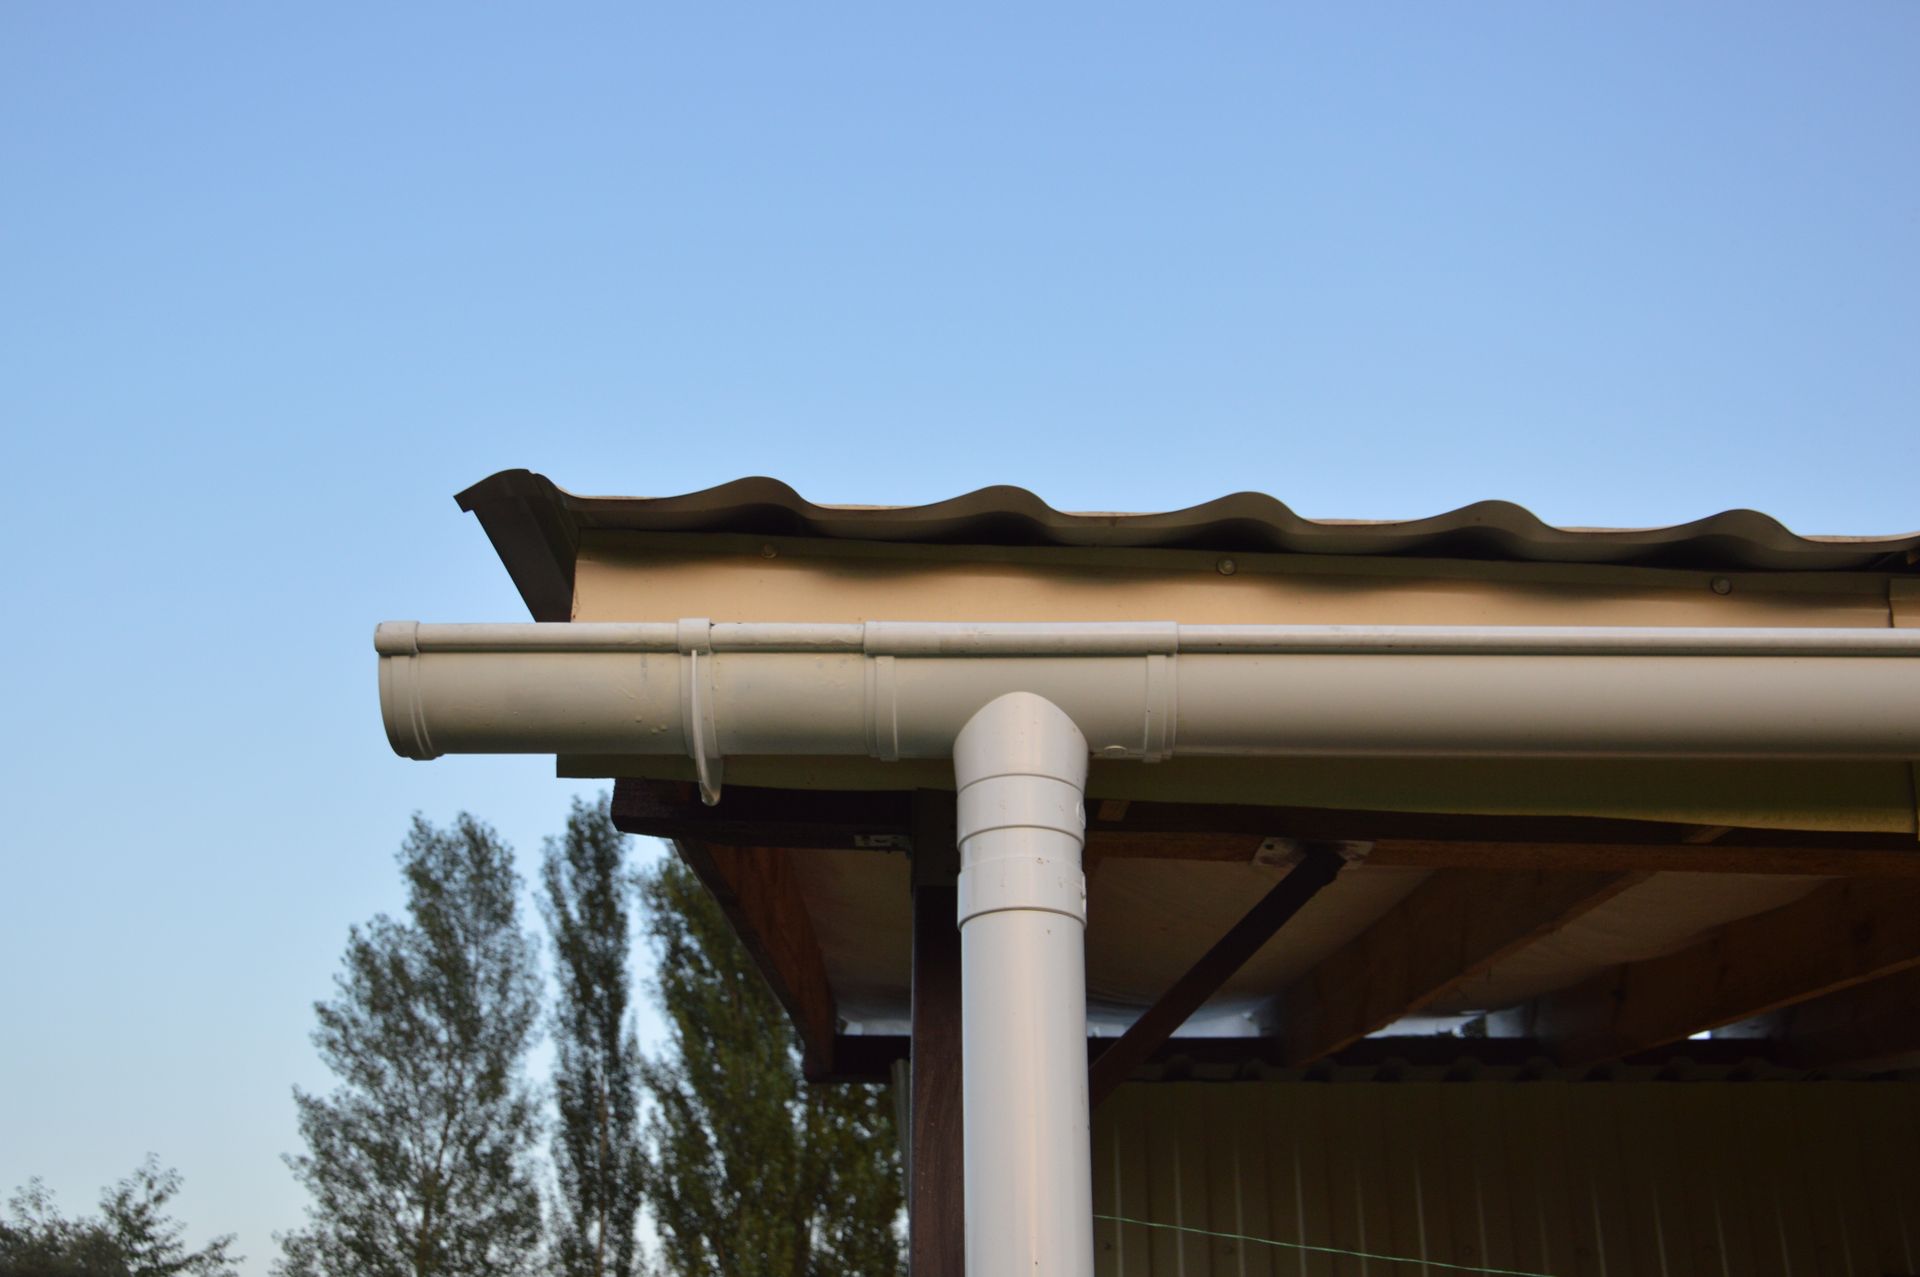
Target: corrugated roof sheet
536, 527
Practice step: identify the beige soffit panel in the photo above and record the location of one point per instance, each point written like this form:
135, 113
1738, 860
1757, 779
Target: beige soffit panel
858, 902
1663, 915
624, 580
1147, 922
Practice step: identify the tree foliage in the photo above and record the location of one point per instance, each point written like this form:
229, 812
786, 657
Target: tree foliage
752, 1172
418, 1162
133, 1236
597, 1158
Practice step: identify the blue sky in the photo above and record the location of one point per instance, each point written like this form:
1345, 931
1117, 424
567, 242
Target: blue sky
275, 282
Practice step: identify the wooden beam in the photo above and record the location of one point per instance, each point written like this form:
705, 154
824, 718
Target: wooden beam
1452, 928
882, 821
1573, 857
1319, 866
1843, 934
866, 1058
757, 890
1871, 1023
1681, 857
936, 1221
936, 1184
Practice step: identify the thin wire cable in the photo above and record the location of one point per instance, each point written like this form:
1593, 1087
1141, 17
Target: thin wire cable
1326, 1250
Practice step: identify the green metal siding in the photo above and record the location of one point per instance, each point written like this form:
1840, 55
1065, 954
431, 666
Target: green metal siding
1796, 1179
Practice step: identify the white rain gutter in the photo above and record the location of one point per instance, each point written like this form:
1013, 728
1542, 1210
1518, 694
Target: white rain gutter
1020, 707
1150, 690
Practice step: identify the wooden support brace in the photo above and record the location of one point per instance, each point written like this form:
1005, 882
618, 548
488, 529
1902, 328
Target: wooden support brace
1318, 867
936, 1220
1873, 1023
882, 820
1843, 934
758, 892
1452, 928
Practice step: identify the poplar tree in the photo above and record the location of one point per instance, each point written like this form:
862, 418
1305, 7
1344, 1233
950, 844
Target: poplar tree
753, 1172
597, 1158
419, 1161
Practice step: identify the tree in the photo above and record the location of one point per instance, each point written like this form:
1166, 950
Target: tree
133, 1236
752, 1172
419, 1162
597, 1158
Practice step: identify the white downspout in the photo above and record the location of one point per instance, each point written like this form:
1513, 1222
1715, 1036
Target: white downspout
1020, 766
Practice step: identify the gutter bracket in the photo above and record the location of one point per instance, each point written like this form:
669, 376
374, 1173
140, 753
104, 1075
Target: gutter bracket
1903, 612
883, 710
695, 640
1156, 745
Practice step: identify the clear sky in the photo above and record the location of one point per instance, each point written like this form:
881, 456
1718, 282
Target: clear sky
275, 281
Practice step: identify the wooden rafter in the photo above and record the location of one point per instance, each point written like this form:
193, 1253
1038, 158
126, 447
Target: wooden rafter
936, 1170
746, 816
1683, 857
758, 891
1452, 928
883, 821
1318, 867
1500, 883
1841, 935
1868, 1024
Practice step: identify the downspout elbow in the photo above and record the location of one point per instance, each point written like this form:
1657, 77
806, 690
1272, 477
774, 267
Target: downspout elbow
1020, 766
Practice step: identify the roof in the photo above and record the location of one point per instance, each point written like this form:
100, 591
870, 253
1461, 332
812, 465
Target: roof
1589, 922
536, 527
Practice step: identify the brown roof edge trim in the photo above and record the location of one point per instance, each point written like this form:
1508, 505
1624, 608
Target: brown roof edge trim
1244, 522
535, 534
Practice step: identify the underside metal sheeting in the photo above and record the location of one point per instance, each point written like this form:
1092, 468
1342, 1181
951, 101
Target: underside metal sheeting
1150, 917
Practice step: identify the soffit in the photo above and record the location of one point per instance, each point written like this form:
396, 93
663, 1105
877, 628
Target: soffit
1149, 920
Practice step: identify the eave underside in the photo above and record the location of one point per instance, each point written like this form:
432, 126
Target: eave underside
1484, 946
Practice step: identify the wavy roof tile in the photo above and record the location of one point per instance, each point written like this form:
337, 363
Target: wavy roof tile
535, 525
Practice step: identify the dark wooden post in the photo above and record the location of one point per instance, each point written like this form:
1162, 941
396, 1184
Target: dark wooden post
936, 1235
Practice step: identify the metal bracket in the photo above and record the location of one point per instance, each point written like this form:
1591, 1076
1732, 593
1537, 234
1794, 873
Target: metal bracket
696, 707
1162, 710
883, 711
1903, 612
1285, 853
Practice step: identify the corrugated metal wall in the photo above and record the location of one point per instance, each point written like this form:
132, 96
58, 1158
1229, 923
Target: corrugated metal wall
1807, 1179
